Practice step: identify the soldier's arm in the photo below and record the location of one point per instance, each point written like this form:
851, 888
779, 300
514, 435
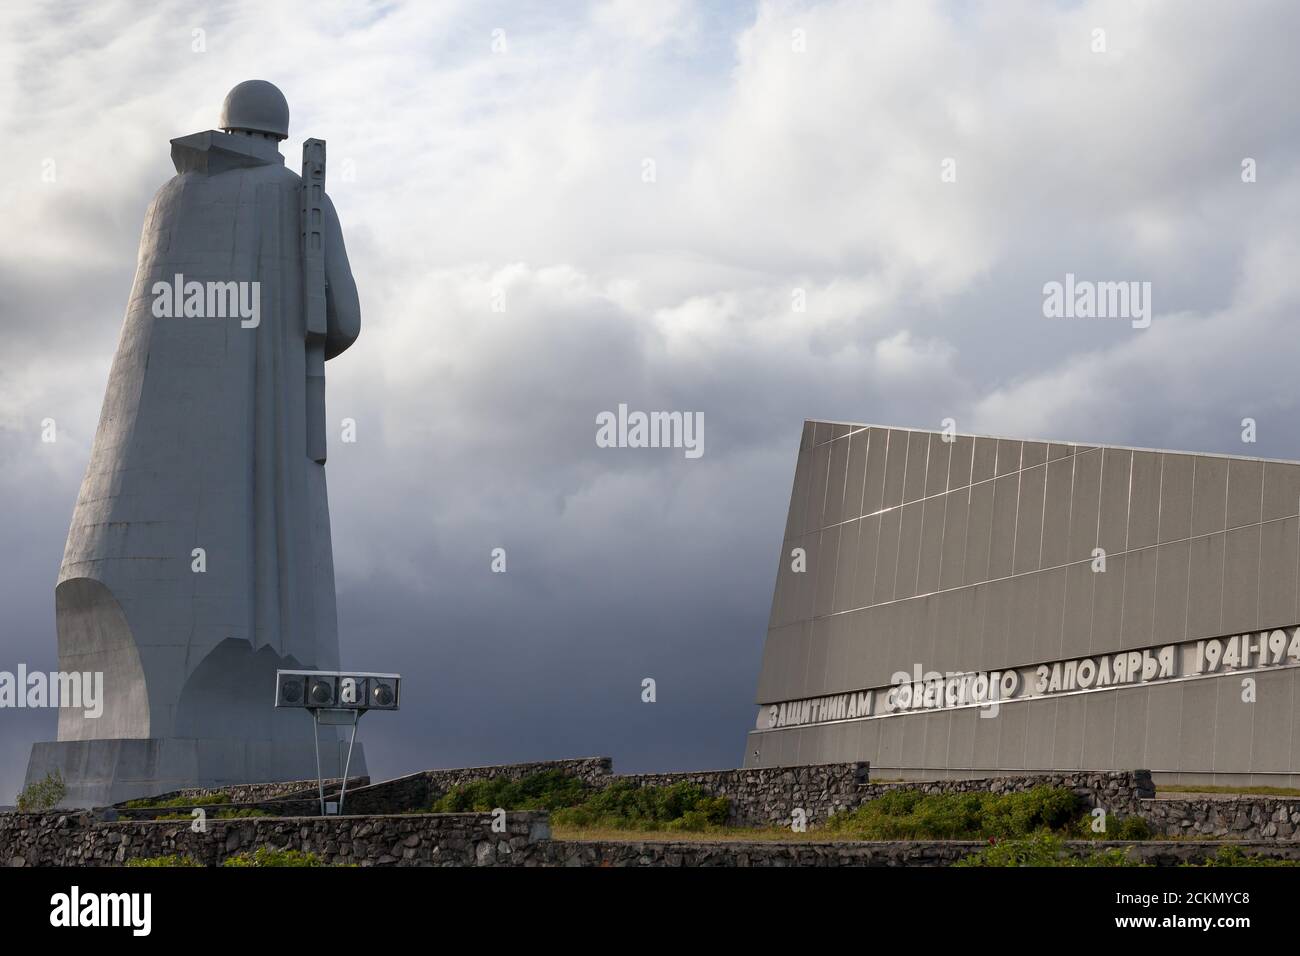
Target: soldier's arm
342, 307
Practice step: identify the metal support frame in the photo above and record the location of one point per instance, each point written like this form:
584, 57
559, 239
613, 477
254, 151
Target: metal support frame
316, 722
342, 697
343, 790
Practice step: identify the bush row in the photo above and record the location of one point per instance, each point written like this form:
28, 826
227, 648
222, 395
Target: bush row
914, 815
571, 802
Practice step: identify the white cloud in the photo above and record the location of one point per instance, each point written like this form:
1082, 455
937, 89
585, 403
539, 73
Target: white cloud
649, 24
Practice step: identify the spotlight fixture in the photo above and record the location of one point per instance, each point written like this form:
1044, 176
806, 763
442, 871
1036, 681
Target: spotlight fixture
337, 690
336, 697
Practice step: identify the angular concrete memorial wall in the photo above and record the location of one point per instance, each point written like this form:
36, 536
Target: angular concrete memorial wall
954, 606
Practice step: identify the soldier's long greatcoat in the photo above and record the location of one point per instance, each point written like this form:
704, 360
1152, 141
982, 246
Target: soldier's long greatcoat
202, 444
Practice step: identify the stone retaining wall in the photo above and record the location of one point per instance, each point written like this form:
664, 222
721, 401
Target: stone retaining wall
757, 797
1116, 791
443, 839
1244, 817
618, 853
413, 793
467, 839
764, 796
257, 792
885, 853
768, 796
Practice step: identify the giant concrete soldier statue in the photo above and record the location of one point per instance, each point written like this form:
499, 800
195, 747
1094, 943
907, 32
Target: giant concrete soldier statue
199, 556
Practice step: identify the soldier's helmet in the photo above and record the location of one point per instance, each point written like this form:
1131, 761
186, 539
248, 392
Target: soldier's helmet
256, 106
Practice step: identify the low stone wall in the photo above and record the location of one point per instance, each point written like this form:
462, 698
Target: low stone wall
618, 853
443, 839
1244, 817
758, 797
1120, 792
413, 793
468, 839
257, 792
891, 853
592, 770
768, 796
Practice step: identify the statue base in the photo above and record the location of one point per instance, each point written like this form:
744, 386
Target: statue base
107, 771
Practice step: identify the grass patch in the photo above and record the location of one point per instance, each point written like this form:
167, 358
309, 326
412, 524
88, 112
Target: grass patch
1048, 849
171, 859
270, 856
720, 834
1130, 828
262, 856
1243, 791
206, 800
1043, 848
1234, 856
239, 814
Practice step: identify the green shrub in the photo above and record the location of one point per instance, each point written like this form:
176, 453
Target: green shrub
548, 790
1234, 856
622, 805
1125, 828
911, 814
1042, 848
1015, 814
171, 859
271, 856
1133, 828
43, 794
708, 815
625, 806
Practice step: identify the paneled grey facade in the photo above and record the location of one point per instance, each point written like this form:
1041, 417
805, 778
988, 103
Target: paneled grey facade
980, 554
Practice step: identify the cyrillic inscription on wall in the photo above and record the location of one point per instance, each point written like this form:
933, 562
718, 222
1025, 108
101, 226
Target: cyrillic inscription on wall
926, 690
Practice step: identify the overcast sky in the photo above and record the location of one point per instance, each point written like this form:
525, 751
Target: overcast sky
797, 146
